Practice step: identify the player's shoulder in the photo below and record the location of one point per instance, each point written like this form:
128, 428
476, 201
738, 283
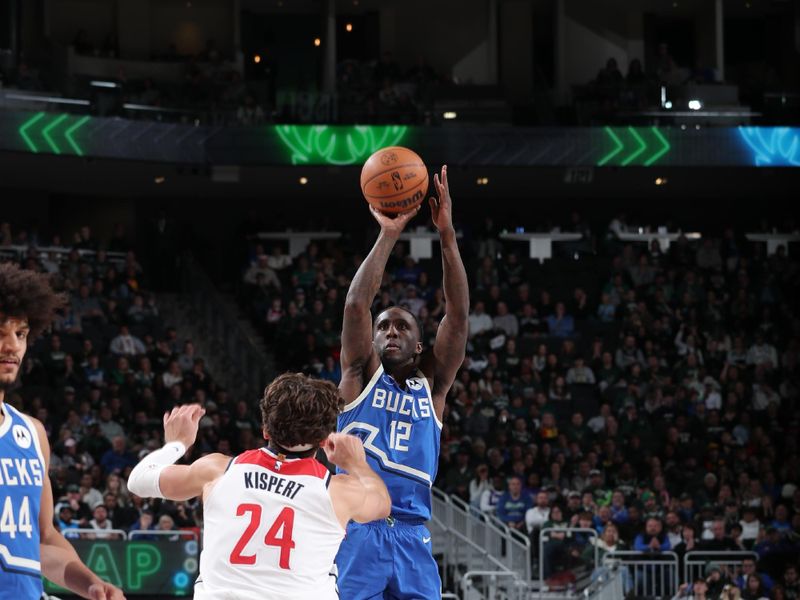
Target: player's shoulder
30, 419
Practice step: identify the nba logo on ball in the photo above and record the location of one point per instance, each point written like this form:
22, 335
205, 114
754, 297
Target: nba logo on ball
394, 180
22, 436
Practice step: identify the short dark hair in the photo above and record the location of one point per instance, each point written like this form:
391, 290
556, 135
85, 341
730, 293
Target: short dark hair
28, 295
298, 409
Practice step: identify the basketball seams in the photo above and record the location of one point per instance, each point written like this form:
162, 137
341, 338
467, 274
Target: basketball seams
394, 168
364, 191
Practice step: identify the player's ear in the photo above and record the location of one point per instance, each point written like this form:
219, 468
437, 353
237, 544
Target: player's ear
418, 349
264, 433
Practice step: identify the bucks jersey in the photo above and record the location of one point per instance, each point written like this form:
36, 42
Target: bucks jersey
401, 435
22, 472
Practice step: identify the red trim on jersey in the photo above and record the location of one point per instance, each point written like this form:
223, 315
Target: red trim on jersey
300, 466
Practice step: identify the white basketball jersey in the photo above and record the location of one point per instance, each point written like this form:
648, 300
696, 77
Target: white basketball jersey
270, 531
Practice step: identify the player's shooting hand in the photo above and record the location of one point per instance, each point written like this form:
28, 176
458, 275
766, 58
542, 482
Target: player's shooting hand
344, 451
442, 206
105, 591
182, 422
393, 225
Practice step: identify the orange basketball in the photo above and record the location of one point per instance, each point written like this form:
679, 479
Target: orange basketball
394, 180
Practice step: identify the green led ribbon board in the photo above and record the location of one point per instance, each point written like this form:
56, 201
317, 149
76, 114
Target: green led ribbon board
337, 144
70, 135
139, 567
52, 133
639, 146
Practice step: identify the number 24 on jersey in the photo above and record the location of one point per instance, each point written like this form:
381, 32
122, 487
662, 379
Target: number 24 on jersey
279, 535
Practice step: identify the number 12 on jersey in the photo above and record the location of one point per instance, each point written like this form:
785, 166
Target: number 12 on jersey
399, 434
284, 524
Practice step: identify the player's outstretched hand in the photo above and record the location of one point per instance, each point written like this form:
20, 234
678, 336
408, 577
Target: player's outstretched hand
393, 225
441, 207
105, 591
345, 451
182, 422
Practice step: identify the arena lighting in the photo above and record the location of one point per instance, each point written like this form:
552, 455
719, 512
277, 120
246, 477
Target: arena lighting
159, 179
103, 84
661, 181
695, 105
317, 41
303, 180
257, 58
48, 99
349, 27
668, 104
450, 115
337, 145
482, 181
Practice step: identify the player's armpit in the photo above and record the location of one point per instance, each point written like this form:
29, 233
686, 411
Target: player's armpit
182, 482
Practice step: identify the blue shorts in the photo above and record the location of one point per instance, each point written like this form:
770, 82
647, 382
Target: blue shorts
378, 561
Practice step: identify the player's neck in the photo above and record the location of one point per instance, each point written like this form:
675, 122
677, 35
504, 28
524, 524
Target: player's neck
401, 372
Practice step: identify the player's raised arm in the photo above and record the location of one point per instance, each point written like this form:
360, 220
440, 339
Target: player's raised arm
156, 476
60, 563
359, 495
357, 355
451, 338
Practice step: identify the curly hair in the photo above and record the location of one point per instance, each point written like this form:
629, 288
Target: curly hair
297, 409
28, 295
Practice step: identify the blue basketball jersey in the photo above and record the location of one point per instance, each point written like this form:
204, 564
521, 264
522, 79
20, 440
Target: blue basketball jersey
22, 473
401, 436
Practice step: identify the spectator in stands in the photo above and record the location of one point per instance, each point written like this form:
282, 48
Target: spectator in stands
580, 373
513, 504
791, 582
479, 484
90, 495
490, 497
560, 324
268, 276
555, 546
754, 588
749, 571
539, 514
479, 322
65, 522
127, 344
117, 459
145, 523
720, 542
751, 527
100, 522
652, 539
166, 523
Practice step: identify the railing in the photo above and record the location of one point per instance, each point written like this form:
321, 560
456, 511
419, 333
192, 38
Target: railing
695, 562
546, 537
99, 534
491, 585
58, 253
245, 361
476, 540
174, 533
647, 573
607, 585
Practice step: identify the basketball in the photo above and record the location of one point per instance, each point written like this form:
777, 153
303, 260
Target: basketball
394, 180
